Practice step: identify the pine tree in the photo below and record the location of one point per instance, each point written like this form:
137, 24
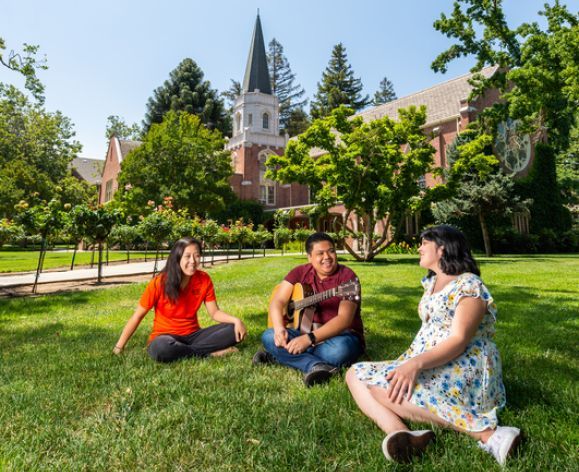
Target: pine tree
282, 83
385, 92
338, 86
185, 90
298, 122
232, 94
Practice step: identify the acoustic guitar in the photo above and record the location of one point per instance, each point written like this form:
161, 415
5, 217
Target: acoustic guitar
303, 300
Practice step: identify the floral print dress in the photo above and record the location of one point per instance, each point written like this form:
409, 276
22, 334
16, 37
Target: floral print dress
466, 391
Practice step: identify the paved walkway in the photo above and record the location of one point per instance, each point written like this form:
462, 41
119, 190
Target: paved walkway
113, 270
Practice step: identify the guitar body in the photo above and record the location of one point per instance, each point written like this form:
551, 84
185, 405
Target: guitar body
291, 317
303, 301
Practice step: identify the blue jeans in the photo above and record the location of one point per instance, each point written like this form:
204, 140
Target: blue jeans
341, 350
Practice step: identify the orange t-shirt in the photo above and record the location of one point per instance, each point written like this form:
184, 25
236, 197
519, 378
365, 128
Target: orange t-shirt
177, 318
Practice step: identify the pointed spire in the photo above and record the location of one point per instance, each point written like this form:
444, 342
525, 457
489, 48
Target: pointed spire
256, 71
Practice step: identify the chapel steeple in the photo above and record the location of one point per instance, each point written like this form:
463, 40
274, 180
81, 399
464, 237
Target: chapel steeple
256, 71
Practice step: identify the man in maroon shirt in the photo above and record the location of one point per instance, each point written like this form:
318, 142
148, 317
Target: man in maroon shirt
337, 337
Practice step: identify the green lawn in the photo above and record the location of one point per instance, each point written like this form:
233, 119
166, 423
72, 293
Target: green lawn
66, 403
22, 261
27, 260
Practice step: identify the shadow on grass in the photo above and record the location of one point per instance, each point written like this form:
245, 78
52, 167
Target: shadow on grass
42, 305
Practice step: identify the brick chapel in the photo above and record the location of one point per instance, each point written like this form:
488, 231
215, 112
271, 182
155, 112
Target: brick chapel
256, 134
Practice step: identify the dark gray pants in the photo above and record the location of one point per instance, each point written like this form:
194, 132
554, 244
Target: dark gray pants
170, 347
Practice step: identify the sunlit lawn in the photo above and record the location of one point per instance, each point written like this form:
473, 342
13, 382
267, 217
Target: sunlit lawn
67, 404
23, 261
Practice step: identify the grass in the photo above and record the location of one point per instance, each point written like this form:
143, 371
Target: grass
27, 260
67, 404
23, 261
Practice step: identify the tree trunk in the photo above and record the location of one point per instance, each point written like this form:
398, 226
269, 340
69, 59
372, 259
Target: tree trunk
40, 263
156, 260
100, 266
73, 257
485, 234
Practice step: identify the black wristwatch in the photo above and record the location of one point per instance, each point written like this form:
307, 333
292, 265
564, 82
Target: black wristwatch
313, 339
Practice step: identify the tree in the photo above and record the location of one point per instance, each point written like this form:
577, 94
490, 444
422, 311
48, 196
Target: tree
232, 94
282, 83
185, 90
385, 92
298, 122
26, 64
538, 76
338, 86
373, 169
116, 126
44, 220
179, 158
36, 149
481, 188
547, 210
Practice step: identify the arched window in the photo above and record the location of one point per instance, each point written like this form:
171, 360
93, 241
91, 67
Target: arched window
238, 122
265, 121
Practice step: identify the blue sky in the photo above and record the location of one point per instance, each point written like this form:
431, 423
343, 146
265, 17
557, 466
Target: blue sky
106, 57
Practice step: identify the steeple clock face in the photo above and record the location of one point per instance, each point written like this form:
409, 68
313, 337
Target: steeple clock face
513, 148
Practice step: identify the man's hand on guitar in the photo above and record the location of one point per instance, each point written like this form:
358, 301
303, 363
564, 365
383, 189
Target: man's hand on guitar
280, 337
299, 344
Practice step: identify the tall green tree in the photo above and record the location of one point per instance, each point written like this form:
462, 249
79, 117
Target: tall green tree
298, 122
385, 92
232, 94
185, 90
481, 188
539, 68
373, 169
116, 126
338, 86
179, 158
283, 83
36, 149
26, 64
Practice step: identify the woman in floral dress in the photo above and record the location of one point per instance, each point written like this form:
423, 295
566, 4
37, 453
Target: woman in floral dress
451, 374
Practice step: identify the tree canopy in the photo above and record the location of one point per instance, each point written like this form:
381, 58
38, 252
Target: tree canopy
36, 149
385, 92
179, 158
372, 168
185, 90
539, 73
116, 126
481, 188
338, 86
26, 64
282, 83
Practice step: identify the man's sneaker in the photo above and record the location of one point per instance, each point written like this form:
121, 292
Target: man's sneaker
262, 358
320, 373
401, 446
503, 443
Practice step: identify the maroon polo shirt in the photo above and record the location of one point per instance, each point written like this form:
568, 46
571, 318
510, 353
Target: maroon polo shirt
328, 309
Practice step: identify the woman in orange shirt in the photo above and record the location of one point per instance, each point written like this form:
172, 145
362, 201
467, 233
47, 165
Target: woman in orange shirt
177, 293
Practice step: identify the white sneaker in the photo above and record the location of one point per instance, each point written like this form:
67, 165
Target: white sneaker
502, 443
400, 446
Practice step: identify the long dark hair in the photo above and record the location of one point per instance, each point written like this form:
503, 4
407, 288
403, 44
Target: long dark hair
171, 273
456, 257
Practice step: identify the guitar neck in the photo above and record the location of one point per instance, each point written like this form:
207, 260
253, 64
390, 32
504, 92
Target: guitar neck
315, 298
